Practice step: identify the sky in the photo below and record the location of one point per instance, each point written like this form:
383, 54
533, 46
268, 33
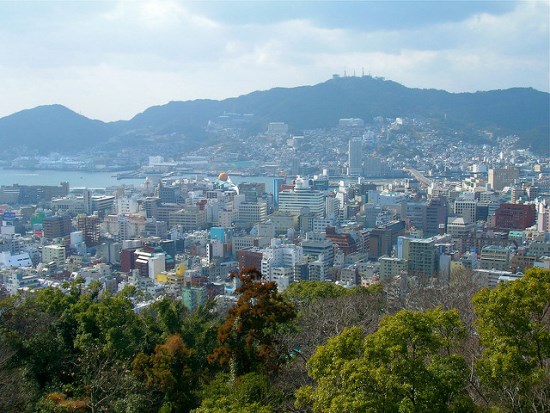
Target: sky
111, 60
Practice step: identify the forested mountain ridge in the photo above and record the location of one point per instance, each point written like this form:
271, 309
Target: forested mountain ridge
522, 111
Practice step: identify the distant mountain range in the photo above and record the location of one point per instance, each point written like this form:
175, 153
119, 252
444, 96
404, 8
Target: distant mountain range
522, 111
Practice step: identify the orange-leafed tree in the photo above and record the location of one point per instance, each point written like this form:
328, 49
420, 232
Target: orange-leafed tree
168, 374
248, 339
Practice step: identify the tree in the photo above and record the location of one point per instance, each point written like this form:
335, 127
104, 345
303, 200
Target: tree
408, 365
309, 291
249, 393
247, 338
35, 329
167, 373
111, 325
514, 328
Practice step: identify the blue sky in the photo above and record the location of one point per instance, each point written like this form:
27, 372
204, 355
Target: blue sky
112, 59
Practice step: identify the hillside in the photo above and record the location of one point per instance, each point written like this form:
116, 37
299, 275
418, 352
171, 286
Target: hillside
521, 111
52, 128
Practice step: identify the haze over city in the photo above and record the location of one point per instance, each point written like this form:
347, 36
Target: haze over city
271, 207
112, 60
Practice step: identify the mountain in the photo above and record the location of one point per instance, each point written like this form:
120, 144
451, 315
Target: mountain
522, 111
52, 128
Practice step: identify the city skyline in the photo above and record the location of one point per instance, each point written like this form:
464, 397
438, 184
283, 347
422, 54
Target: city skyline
96, 57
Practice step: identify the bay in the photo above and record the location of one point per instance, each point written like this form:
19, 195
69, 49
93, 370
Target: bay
92, 180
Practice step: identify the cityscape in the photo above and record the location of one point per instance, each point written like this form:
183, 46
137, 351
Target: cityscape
347, 205
356, 245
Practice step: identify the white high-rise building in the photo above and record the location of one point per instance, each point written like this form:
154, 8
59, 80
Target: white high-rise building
302, 196
281, 256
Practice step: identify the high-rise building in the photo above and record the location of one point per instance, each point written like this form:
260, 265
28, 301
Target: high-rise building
302, 196
465, 207
383, 238
422, 257
436, 216
57, 226
251, 190
355, 152
191, 217
87, 200
89, 225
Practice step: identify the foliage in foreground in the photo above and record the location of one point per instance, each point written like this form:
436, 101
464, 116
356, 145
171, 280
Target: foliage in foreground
315, 348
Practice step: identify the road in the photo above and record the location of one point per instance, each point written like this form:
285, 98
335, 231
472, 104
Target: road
419, 176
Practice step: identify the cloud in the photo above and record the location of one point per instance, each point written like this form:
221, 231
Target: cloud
110, 60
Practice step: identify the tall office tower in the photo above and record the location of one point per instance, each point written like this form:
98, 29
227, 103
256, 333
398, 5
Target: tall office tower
87, 198
532, 192
499, 178
422, 257
89, 225
355, 150
416, 214
465, 207
302, 196
332, 207
436, 216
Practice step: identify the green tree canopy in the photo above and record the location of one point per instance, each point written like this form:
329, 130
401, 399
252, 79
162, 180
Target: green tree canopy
514, 328
406, 366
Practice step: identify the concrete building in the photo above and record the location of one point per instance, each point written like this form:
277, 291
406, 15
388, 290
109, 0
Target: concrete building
355, 152
89, 225
190, 218
279, 255
465, 207
193, 297
301, 197
458, 227
436, 216
494, 257
422, 258
57, 227
55, 254
502, 177
391, 267
515, 216
251, 213
16, 260
319, 248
